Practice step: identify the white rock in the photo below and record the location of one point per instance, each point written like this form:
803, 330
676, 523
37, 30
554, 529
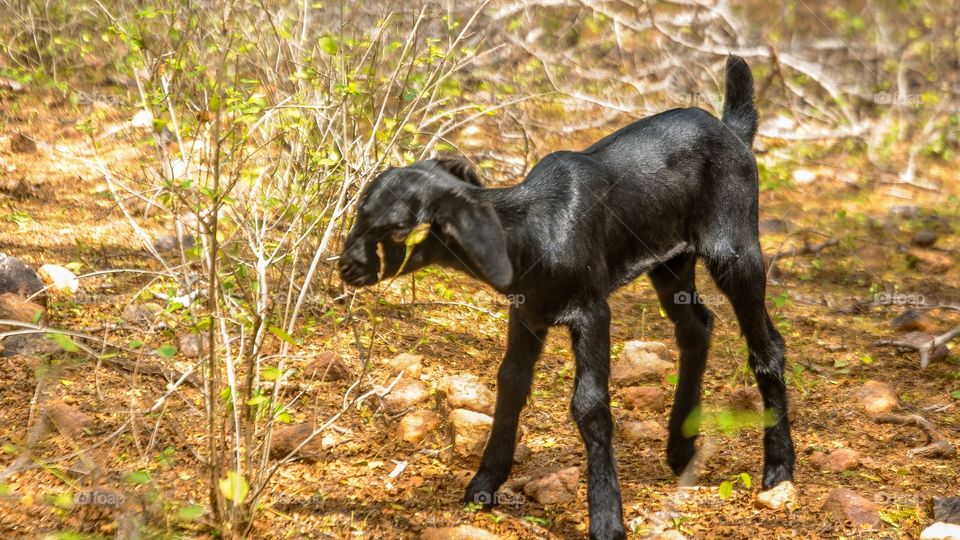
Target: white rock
59, 279
403, 395
641, 362
467, 392
468, 432
804, 176
941, 531
142, 119
416, 425
409, 364
782, 495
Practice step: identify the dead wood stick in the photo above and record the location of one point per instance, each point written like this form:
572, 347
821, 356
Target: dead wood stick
937, 445
926, 349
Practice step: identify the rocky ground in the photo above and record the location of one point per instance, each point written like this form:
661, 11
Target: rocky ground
864, 273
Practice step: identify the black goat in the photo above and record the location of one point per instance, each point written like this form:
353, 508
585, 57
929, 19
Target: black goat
650, 198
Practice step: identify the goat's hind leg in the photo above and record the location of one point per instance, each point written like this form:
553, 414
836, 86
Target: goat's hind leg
741, 277
677, 291
514, 378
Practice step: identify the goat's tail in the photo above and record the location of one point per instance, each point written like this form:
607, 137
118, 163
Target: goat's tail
739, 112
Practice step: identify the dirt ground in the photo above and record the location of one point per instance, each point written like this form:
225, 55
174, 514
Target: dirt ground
56, 208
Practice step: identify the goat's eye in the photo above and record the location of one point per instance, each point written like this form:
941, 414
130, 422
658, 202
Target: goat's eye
399, 235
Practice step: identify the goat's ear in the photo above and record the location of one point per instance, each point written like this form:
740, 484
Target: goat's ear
460, 168
475, 227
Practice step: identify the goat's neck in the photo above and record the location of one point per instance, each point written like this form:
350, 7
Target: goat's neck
512, 206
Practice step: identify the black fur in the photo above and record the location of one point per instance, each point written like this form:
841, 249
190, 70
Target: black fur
650, 198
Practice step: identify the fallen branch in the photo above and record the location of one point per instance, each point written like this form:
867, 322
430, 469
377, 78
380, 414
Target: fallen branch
928, 349
937, 445
807, 249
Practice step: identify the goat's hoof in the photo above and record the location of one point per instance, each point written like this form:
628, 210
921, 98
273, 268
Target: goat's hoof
612, 530
481, 490
680, 454
775, 474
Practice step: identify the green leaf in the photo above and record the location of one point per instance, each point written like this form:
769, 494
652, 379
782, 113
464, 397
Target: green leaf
190, 512
726, 489
747, 481
328, 44
234, 487
137, 478
955, 394
63, 341
270, 373
281, 334
258, 400
417, 235
166, 351
691, 424
135, 344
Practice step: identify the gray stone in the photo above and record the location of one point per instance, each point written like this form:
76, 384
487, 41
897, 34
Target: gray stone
947, 509
18, 278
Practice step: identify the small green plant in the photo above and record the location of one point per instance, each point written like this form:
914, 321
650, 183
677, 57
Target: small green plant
727, 486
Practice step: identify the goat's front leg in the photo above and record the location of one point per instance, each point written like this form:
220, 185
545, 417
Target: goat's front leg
524, 344
590, 332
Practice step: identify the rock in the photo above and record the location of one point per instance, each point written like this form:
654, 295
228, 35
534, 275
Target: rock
650, 398
405, 394
192, 345
328, 366
18, 278
924, 238
911, 319
746, 398
286, 439
15, 307
941, 531
29, 345
877, 397
641, 362
946, 509
930, 261
69, 421
170, 242
780, 496
841, 459
21, 144
521, 453
554, 487
59, 279
645, 430
803, 177
467, 392
670, 534
775, 226
416, 426
468, 432
904, 211
141, 314
463, 532
409, 364
850, 507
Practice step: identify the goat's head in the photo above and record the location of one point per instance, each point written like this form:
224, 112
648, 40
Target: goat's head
463, 231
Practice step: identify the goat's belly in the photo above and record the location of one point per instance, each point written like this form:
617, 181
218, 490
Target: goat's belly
648, 261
